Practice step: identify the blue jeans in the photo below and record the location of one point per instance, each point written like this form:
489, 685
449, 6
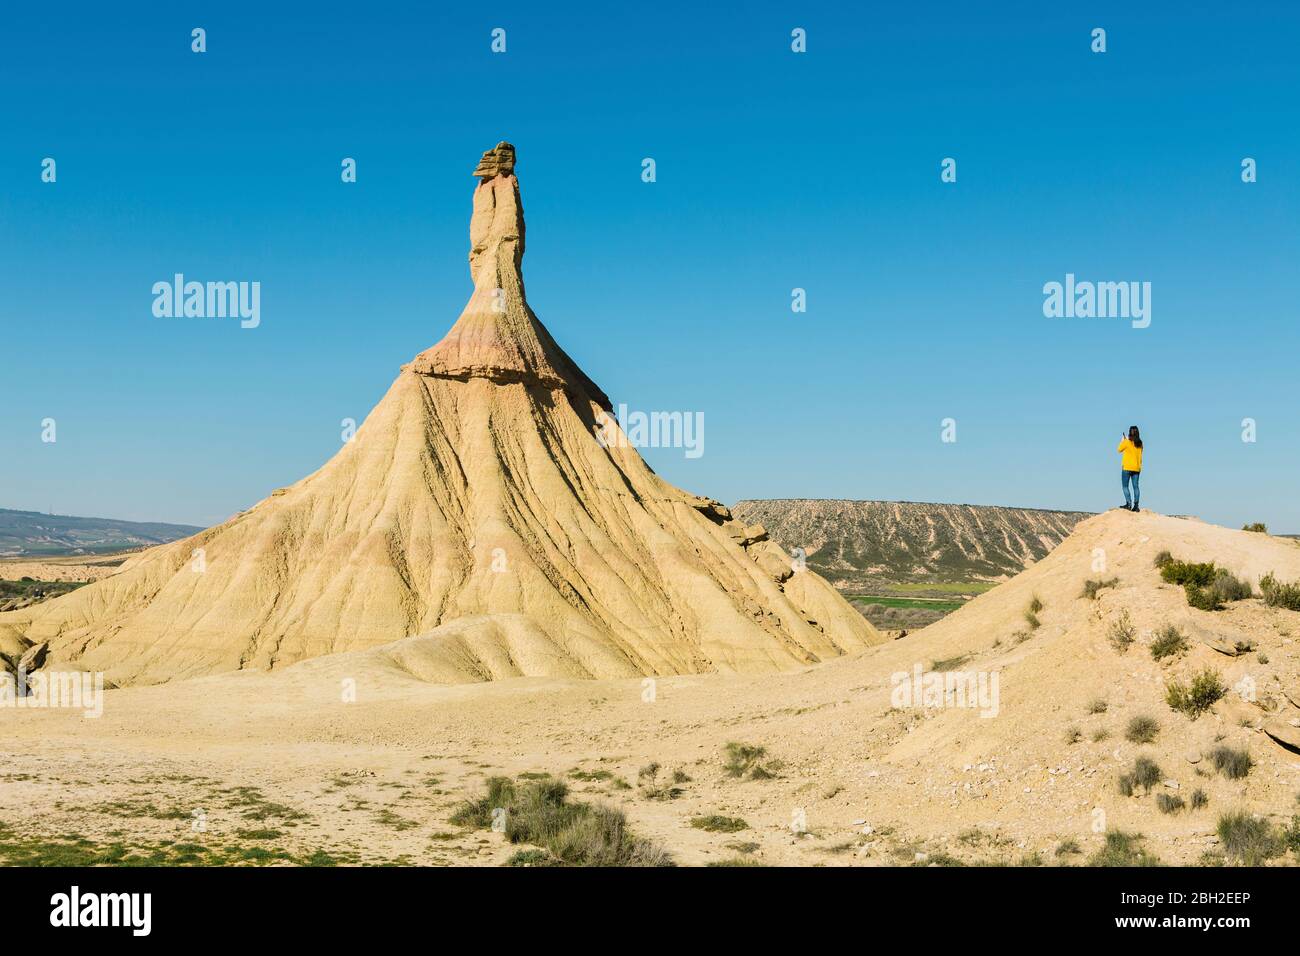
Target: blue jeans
1125, 477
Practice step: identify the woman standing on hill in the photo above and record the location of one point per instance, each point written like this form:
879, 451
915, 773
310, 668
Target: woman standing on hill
1130, 463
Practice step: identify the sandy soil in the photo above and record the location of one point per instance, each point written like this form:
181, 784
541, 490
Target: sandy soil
72, 568
375, 779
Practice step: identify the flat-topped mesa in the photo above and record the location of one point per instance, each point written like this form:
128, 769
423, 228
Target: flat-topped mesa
498, 336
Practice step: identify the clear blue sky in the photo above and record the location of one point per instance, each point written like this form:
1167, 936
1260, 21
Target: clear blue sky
775, 171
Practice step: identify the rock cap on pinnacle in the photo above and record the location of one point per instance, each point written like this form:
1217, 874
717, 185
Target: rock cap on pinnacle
498, 336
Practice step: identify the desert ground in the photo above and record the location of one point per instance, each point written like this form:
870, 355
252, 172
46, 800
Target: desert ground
353, 758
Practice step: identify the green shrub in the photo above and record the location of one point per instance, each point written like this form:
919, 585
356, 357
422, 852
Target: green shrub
1195, 699
1122, 849
1121, 632
574, 834
1248, 840
1291, 835
1187, 572
1141, 729
1231, 762
1199, 799
744, 759
1168, 642
1092, 587
478, 813
1228, 587
1203, 599
1279, 594
1035, 604
1032, 620
1097, 705
718, 824
1256, 526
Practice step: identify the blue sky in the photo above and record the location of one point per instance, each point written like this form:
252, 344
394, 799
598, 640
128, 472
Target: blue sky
775, 170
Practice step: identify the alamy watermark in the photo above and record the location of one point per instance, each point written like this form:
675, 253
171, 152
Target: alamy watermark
74, 690
1098, 300
635, 429
932, 690
209, 300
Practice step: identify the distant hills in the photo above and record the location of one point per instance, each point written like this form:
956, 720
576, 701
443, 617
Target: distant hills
24, 533
860, 545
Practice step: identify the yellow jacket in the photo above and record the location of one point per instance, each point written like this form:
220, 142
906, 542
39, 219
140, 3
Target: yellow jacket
1132, 456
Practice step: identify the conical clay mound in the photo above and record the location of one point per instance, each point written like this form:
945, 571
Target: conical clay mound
475, 518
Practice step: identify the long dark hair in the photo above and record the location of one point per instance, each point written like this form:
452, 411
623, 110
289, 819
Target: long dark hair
1134, 436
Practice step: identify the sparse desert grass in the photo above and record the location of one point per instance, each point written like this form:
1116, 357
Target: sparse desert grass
538, 812
1100, 734
1121, 632
950, 663
1168, 642
578, 773
1073, 735
388, 818
742, 848
1291, 835
1169, 803
714, 823
1094, 586
653, 789
1031, 613
1068, 848
1145, 774
260, 834
735, 861
743, 760
532, 858
1097, 705
975, 837
1248, 840
1234, 763
1141, 729
1199, 799
1195, 698
1122, 849
73, 849
1162, 559
1280, 594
